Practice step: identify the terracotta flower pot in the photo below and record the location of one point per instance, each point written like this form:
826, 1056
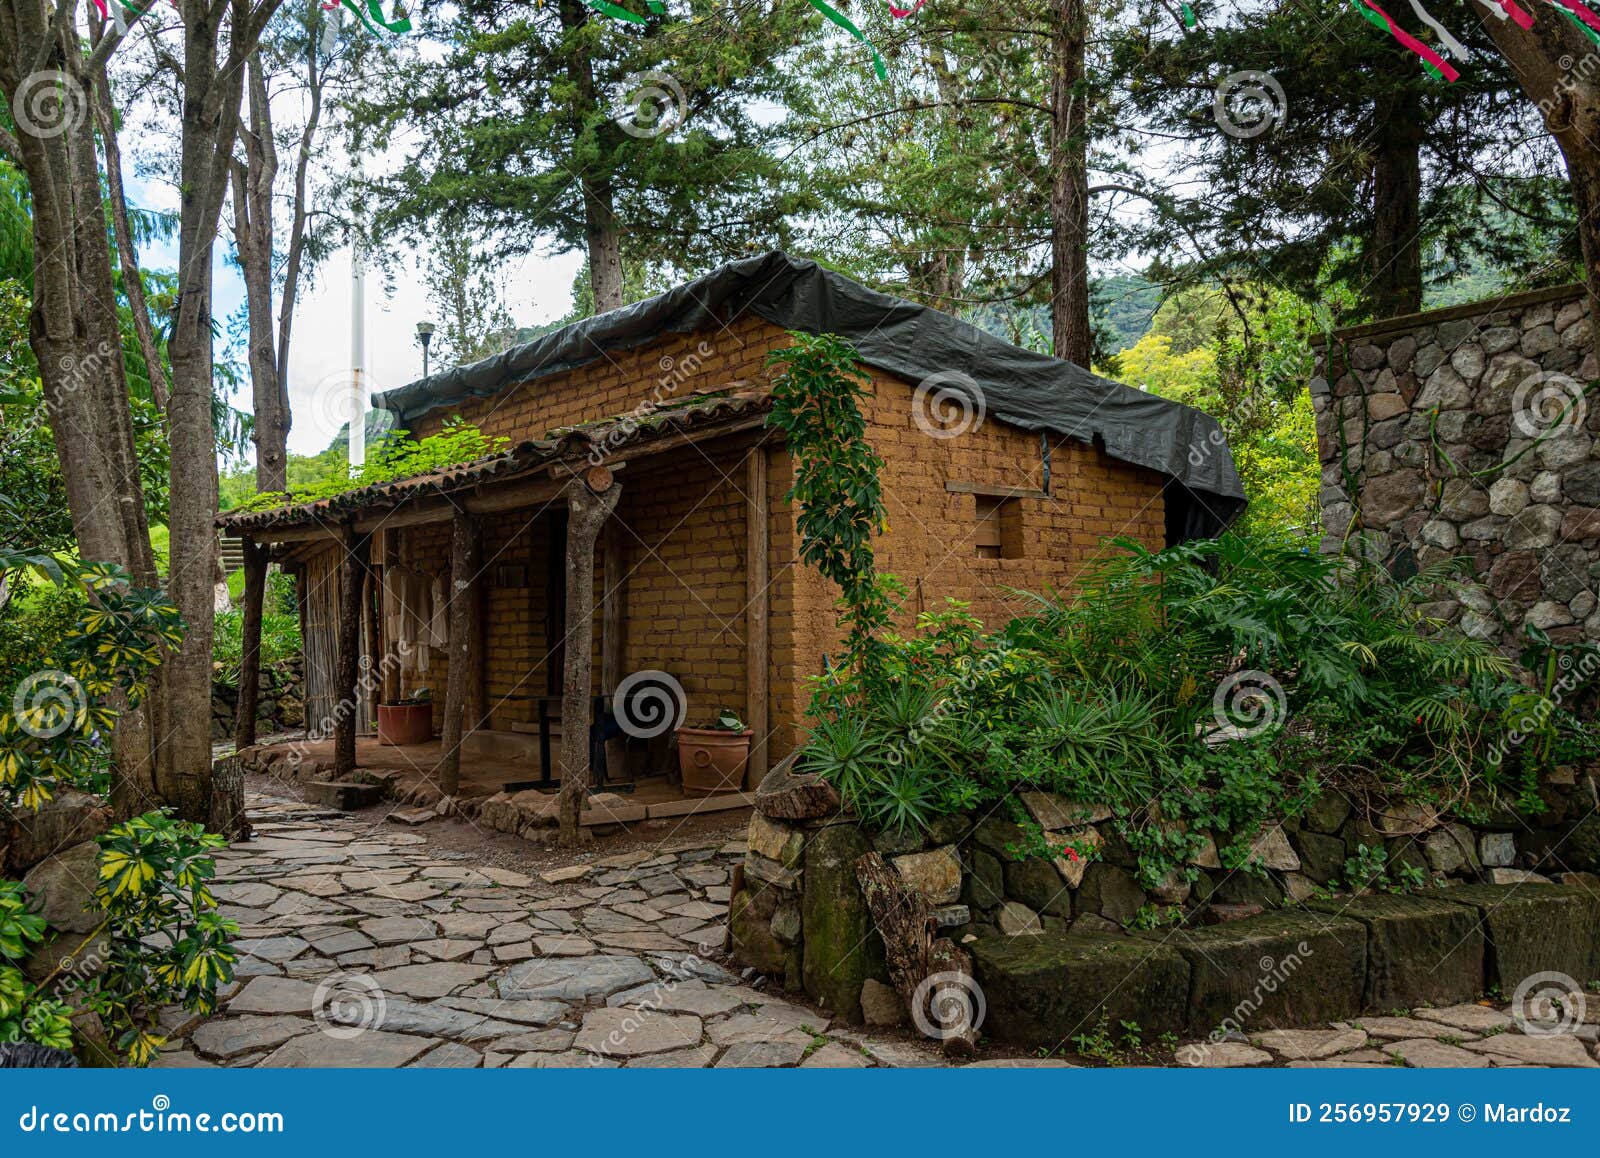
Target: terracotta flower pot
712, 759
405, 723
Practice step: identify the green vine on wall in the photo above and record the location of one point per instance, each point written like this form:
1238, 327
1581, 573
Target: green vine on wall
816, 402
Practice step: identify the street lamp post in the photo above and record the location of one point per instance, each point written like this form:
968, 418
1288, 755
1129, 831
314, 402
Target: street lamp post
425, 336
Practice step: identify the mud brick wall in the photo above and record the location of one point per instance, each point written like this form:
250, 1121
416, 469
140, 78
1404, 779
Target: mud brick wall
685, 515
1469, 433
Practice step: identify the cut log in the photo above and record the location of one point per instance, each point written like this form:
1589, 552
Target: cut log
933, 974
787, 795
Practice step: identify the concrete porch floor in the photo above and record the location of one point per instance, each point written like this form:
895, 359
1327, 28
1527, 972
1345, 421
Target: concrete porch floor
486, 776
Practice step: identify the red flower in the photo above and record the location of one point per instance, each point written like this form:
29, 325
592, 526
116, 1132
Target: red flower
1072, 853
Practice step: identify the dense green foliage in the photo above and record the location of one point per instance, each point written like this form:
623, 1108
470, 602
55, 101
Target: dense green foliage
280, 640
1198, 692
396, 457
160, 940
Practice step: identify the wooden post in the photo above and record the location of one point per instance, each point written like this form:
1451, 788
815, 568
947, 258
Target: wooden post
613, 612
463, 578
757, 659
255, 590
352, 575
590, 501
391, 667
372, 648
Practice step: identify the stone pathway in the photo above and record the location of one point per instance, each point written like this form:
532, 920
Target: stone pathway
367, 947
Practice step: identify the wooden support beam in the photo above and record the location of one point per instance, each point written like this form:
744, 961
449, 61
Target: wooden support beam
613, 625
966, 488
464, 542
587, 512
352, 574
391, 667
372, 647
255, 590
757, 655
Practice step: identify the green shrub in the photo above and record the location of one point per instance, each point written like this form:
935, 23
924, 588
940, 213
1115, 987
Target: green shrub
165, 942
280, 640
1205, 689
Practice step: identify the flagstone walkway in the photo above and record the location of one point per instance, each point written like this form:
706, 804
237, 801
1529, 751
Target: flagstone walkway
368, 945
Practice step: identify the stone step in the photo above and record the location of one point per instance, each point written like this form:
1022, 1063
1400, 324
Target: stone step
343, 796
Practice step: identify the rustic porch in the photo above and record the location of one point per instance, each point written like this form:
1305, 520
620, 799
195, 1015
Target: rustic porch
534, 587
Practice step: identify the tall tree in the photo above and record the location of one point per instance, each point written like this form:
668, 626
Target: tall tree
1556, 65
1272, 169
630, 142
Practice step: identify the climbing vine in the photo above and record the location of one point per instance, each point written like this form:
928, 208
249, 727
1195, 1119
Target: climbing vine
816, 402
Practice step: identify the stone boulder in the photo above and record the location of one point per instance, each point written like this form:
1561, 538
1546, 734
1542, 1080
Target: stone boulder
753, 918
841, 947
31, 835
1273, 971
1533, 930
61, 888
1420, 950
1042, 990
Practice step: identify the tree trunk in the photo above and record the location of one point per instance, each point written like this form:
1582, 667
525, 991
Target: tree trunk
1394, 254
587, 512
252, 183
1069, 187
127, 254
255, 589
75, 338
212, 92
602, 238
463, 578
352, 576
1569, 100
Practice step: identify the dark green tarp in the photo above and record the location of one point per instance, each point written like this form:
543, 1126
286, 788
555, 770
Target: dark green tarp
1028, 390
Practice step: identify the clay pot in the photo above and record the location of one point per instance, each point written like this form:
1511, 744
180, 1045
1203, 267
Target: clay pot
405, 723
712, 760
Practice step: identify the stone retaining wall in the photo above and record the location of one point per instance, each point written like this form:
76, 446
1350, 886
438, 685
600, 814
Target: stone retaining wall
279, 704
1439, 440
797, 913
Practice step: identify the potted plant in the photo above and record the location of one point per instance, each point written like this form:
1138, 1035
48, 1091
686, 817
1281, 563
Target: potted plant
407, 721
712, 759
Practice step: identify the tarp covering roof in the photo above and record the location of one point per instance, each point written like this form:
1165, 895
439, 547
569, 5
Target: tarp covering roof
1025, 389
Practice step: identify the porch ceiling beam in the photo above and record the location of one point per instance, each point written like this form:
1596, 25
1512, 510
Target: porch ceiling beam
546, 484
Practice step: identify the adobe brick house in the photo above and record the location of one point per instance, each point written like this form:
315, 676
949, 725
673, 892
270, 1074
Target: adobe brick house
695, 570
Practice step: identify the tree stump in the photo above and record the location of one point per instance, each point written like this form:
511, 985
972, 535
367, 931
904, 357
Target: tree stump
228, 817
